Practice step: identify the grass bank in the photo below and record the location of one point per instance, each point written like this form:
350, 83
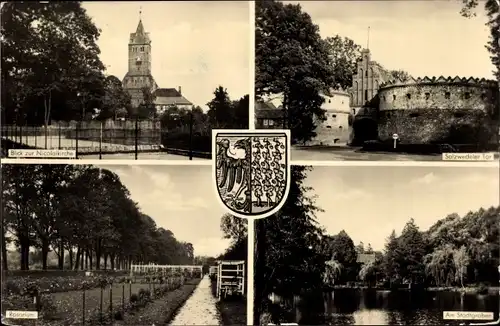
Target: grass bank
233, 311
162, 310
468, 289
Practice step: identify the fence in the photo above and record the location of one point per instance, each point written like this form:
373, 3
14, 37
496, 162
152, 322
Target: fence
230, 278
105, 301
109, 137
87, 137
189, 270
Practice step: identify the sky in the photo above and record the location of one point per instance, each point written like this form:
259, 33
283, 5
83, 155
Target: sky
424, 38
180, 199
369, 202
197, 45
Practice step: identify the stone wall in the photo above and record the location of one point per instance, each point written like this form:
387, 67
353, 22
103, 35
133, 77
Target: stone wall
334, 130
461, 112
428, 126
438, 96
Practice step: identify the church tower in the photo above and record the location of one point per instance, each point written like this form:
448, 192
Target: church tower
139, 74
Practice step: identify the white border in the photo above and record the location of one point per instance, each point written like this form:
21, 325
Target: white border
255, 132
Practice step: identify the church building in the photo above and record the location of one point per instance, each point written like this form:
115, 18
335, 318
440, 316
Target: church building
139, 75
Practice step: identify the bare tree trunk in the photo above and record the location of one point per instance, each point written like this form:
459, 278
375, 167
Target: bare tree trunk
89, 253
45, 253
71, 258
5, 265
61, 255
78, 258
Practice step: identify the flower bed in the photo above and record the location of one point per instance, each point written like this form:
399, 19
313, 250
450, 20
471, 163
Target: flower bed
49, 284
94, 306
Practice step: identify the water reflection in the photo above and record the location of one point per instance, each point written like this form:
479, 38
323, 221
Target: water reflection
375, 307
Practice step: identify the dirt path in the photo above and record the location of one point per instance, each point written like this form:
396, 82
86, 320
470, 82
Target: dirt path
200, 308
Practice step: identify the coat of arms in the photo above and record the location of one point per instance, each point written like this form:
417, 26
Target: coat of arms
251, 170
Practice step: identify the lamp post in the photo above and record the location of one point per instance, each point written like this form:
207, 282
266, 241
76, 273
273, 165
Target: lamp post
191, 133
80, 96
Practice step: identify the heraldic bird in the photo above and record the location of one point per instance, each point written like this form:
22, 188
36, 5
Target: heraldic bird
235, 171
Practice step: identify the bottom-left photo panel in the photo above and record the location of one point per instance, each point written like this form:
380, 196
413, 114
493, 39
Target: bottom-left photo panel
119, 245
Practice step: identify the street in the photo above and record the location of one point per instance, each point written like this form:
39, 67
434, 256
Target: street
140, 156
355, 154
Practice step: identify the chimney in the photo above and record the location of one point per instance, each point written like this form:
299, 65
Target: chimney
180, 90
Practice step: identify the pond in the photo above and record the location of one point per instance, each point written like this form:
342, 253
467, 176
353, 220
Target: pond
378, 307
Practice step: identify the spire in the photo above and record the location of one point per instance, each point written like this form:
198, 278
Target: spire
368, 40
140, 28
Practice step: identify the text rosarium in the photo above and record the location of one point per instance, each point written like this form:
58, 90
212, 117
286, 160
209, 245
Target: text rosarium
19, 314
468, 156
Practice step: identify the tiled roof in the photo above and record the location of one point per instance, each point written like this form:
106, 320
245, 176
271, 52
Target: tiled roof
366, 258
140, 36
267, 111
167, 92
170, 96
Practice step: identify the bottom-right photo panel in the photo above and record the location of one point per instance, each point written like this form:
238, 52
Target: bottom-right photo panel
375, 245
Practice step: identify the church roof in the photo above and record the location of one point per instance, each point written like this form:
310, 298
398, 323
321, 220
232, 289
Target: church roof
170, 96
140, 36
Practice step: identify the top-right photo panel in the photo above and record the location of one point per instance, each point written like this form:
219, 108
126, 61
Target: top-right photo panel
380, 80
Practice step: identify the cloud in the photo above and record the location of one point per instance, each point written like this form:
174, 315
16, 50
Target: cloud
211, 246
352, 194
150, 187
427, 179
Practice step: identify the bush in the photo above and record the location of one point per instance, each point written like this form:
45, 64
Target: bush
47, 307
482, 289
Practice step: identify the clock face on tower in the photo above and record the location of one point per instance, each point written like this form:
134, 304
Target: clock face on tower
138, 61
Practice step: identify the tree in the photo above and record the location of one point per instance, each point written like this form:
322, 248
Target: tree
234, 228
343, 250
492, 8
49, 54
345, 55
412, 252
62, 208
333, 270
400, 75
291, 59
391, 263
240, 113
287, 256
461, 261
116, 102
220, 109
147, 109
360, 248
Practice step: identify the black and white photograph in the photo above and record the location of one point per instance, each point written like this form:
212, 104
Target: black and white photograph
381, 245
123, 80
380, 80
119, 245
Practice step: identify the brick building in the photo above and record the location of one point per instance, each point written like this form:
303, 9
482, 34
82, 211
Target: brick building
439, 110
139, 75
335, 128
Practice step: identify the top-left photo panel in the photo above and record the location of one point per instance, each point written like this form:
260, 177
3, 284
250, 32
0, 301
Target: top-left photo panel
123, 80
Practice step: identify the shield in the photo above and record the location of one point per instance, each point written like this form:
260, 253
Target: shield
251, 170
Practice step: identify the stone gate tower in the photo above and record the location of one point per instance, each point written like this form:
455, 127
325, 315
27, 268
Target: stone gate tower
139, 74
